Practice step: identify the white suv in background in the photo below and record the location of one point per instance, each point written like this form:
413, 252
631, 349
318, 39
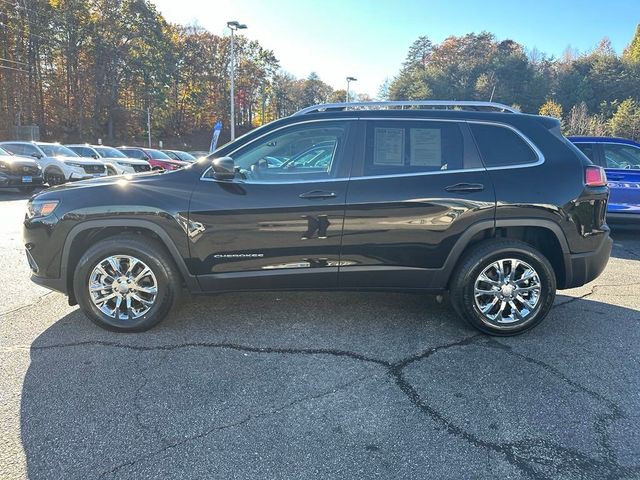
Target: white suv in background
58, 163
117, 162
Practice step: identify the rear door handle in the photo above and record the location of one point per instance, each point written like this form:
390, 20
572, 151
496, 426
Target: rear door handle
318, 194
465, 187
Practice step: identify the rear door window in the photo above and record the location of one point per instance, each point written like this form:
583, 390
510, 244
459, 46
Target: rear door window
405, 147
621, 156
501, 146
589, 150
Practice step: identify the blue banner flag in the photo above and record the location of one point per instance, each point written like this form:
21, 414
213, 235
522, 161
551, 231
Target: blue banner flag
215, 136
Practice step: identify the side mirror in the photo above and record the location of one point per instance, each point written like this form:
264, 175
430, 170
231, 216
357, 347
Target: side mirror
223, 168
36, 155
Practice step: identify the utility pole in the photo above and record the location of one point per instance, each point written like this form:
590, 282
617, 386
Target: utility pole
349, 80
233, 26
149, 125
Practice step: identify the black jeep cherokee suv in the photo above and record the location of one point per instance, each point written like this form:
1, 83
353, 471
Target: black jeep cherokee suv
496, 207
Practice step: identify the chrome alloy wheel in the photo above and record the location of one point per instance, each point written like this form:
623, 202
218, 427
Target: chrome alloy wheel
123, 287
507, 292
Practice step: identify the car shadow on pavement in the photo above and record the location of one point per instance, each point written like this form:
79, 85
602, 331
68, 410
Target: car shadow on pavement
626, 243
303, 385
8, 194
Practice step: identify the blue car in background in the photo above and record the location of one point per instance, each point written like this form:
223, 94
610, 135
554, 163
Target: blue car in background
621, 160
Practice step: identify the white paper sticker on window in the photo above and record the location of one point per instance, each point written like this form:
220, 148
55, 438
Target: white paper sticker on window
426, 147
388, 148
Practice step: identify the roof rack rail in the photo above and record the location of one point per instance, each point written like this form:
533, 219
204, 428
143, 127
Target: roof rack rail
433, 104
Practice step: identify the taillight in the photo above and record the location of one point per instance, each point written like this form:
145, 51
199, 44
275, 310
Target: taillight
595, 177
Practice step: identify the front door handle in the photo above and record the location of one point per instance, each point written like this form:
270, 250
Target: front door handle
465, 187
318, 194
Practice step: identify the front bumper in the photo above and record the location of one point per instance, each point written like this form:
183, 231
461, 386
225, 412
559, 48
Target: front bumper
10, 180
585, 267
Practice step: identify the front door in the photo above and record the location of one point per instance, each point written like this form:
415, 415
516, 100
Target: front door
419, 187
278, 224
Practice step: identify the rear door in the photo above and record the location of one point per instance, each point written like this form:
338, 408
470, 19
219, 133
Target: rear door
418, 187
622, 164
278, 224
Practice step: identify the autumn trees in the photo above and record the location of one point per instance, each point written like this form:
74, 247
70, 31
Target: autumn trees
595, 93
88, 69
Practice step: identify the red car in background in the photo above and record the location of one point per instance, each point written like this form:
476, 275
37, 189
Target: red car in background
157, 159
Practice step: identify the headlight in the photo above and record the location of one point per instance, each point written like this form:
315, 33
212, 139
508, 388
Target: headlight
41, 208
4, 166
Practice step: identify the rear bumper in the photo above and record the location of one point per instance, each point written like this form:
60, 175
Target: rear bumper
627, 219
586, 267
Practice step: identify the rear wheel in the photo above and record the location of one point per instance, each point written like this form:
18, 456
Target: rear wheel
503, 287
126, 284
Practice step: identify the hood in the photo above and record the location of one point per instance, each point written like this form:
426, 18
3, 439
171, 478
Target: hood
121, 181
128, 161
80, 160
18, 160
178, 163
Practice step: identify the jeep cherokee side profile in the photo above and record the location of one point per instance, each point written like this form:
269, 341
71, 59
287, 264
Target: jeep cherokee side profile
494, 206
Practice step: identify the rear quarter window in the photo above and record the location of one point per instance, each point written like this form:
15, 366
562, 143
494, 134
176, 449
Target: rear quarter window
502, 147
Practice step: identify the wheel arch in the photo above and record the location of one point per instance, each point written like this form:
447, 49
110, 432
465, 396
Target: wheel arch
544, 235
87, 233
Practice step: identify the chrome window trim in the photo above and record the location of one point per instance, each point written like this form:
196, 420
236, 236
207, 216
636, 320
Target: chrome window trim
317, 120
536, 150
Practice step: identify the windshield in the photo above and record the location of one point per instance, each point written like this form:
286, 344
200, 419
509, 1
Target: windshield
109, 152
4, 152
184, 156
157, 154
57, 150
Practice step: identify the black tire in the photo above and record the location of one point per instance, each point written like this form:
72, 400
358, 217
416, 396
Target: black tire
54, 177
149, 251
482, 256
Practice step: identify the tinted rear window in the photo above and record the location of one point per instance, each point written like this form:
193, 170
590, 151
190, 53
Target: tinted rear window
501, 146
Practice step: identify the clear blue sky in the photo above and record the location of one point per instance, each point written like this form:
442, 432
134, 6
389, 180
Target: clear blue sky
368, 39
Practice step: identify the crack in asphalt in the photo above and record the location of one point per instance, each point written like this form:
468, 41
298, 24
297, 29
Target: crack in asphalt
530, 456
592, 291
18, 309
244, 420
603, 420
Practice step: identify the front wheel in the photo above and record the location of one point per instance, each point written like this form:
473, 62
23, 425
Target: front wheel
503, 287
126, 284
53, 178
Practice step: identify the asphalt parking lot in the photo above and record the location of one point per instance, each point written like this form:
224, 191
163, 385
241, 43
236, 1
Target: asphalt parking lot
319, 385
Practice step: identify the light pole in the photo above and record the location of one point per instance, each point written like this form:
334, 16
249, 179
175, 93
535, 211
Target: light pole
349, 80
233, 26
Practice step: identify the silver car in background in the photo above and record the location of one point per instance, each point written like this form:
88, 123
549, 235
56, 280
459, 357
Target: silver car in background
117, 162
